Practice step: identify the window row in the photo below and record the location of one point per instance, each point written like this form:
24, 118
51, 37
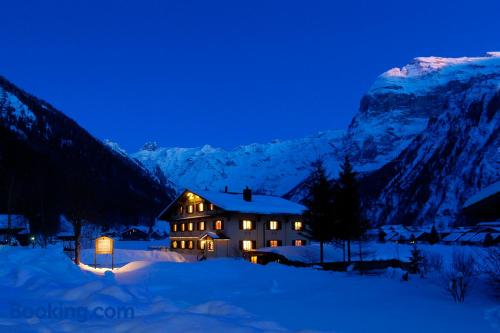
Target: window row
244, 225
270, 225
248, 245
200, 226
189, 244
191, 208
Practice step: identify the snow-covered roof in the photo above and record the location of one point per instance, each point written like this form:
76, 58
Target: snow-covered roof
488, 191
260, 204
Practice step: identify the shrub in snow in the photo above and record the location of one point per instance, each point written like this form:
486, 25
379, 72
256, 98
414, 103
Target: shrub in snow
433, 262
460, 276
491, 267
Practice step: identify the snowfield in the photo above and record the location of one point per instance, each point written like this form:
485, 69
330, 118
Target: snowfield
224, 295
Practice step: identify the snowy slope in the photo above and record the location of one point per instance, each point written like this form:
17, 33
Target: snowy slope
272, 168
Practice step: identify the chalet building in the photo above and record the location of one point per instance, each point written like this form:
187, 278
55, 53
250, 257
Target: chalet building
226, 224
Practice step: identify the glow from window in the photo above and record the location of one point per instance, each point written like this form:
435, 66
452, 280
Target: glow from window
211, 207
174, 244
174, 228
247, 245
190, 226
273, 243
297, 225
298, 242
247, 225
253, 259
273, 225
190, 209
201, 207
183, 244
218, 225
201, 225
183, 227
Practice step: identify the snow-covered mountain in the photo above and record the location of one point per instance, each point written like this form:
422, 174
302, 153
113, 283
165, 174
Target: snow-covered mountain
408, 114
49, 165
272, 168
458, 150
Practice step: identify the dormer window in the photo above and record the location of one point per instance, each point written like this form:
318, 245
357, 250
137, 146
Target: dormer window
190, 209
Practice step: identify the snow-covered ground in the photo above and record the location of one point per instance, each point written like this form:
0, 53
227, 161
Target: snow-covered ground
224, 295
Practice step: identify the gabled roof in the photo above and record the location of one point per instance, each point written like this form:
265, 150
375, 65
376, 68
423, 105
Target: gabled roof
213, 235
233, 202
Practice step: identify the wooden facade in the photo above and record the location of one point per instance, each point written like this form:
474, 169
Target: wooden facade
216, 228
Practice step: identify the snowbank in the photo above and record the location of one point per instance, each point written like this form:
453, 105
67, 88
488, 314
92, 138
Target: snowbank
225, 295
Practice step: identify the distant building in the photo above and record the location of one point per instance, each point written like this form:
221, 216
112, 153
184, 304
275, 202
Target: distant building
138, 232
219, 224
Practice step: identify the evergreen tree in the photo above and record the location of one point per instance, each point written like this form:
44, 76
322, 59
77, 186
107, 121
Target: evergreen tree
319, 216
416, 260
433, 236
350, 225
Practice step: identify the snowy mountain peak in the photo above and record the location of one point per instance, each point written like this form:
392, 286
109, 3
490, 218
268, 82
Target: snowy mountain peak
425, 73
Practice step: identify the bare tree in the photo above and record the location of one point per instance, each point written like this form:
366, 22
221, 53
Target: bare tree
460, 276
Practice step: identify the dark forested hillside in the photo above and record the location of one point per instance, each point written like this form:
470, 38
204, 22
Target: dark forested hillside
49, 166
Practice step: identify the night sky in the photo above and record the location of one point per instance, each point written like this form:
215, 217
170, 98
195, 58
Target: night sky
225, 73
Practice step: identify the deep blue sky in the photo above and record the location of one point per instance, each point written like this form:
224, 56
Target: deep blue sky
186, 73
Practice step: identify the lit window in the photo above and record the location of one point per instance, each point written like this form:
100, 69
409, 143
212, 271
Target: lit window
273, 243
211, 207
183, 244
273, 225
174, 228
190, 244
174, 244
247, 245
181, 210
201, 207
218, 225
253, 259
247, 225
297, 225
201, 225
190, 209
299, 242
210, 245
190, 226
183, 227
202, 244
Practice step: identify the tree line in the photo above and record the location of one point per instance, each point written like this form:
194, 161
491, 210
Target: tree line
333, 211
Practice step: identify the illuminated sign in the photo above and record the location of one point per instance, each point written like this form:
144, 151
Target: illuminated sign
104, 245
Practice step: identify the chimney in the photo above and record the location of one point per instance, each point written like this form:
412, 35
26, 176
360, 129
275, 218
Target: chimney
247, 194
